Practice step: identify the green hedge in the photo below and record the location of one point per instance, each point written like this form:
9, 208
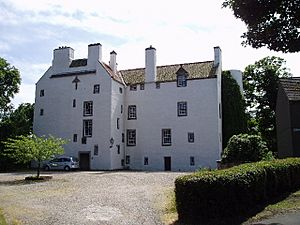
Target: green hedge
231, 192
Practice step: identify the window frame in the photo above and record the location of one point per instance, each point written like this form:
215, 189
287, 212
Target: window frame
127, 159
42, 92
87, 131
181, 80
133, 87
142, 87
96, 89
132, 112
131, 137
192, 161
88, 108
41, 112
75, 137
191, 137
182, 108
146, 161
96, 150
166, 137
157, 85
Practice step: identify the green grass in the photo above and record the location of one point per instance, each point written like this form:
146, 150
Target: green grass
2, 219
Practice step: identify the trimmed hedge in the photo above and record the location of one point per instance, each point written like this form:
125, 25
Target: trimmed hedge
227, 193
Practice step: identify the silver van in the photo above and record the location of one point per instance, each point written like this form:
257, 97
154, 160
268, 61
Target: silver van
62, 163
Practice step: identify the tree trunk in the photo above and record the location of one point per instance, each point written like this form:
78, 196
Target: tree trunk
38, 169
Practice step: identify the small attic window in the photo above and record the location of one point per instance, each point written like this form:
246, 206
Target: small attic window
182, 75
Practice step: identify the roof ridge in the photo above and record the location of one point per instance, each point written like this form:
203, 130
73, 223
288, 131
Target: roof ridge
176, 64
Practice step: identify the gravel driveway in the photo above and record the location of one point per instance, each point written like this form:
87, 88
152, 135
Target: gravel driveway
87, 198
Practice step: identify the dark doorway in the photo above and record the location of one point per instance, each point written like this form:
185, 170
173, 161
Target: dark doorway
167, 163
84, 161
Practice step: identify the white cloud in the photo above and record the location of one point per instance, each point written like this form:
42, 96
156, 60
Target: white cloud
180, 31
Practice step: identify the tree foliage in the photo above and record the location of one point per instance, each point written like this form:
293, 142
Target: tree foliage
9, 85
260, 82
245, 148
271, 23
24, 149
17, 122
233, 108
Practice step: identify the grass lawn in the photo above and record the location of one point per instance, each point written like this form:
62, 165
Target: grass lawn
289, 204
2, 220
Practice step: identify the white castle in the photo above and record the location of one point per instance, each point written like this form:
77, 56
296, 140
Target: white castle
153, 118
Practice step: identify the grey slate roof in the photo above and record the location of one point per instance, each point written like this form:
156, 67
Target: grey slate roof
291, 87
166, 73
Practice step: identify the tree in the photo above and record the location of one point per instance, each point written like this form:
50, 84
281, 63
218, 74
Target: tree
245, 148
24, 149
17, 122
9, 85
271, 23
260, 82
233, 108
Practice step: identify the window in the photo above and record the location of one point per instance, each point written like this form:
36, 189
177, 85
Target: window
182, 108
121, 90
118, 149
41, 112
121, 109
181, 81
123, 137
133, 87
145, 161
74, 137
96, 89
74, 103
122, 162
96, 150
157, 85
88, 108
131, 137
118, 123
191, 137
83, 140
166, 137
87, 128
132, 112
142, 86
192, 161
42, 93
127, 159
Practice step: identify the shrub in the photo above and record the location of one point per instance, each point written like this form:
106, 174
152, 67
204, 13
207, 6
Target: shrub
245, 148
232, 192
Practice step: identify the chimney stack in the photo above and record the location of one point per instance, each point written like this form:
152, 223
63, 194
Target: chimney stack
62, 57
94, 54
113, 61
150, 67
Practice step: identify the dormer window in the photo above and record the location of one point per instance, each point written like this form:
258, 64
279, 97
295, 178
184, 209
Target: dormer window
181, 81
182, 75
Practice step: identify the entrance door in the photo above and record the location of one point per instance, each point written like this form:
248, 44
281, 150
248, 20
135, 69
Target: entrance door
84, 160
167, 163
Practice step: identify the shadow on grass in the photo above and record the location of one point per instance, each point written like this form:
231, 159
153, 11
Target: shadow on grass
25, 181
237, 219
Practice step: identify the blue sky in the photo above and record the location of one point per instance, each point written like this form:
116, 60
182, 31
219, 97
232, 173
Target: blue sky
181, 31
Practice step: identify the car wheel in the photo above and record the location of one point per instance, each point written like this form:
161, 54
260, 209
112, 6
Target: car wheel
47, 168
67, 168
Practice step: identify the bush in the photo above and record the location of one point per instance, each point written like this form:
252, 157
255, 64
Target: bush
232, 192
245, 148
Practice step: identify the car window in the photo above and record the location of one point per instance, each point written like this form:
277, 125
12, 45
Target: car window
56, 160
67, 160
74, 159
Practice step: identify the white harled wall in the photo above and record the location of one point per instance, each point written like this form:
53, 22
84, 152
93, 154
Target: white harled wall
157, 109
